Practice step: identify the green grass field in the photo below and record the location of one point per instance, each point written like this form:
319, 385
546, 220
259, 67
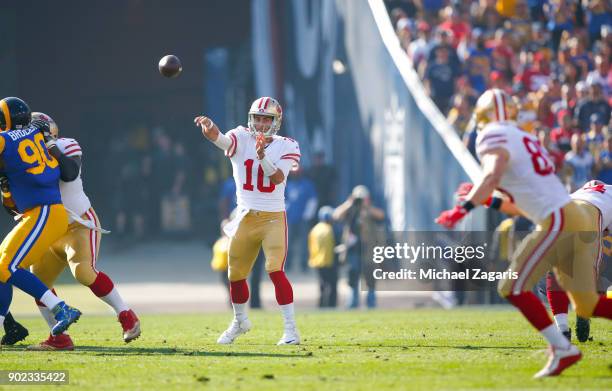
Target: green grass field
477, 348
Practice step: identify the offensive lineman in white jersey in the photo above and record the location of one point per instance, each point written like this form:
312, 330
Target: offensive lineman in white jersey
261, 162
517, 165
78, 248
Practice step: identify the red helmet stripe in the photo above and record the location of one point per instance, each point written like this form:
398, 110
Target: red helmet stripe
503, 98
266, 104
499, 105
261, 101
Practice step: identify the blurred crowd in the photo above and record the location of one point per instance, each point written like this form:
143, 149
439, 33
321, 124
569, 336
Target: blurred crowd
553, 56
155, 182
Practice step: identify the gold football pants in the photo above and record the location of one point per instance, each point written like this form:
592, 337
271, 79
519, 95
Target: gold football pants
568, 242
256, 230
31, 237
78, 248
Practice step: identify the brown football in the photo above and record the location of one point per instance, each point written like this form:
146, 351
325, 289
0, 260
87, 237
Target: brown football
170, 66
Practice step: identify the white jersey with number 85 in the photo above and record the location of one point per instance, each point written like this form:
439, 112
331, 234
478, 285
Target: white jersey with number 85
529, 179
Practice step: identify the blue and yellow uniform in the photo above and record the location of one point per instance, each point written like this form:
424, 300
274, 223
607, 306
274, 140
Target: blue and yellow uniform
33, 176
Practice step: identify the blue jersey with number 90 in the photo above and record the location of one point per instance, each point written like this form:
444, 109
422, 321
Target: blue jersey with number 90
32, 172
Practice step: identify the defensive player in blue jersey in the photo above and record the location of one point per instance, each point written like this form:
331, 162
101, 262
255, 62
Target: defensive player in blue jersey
33, 177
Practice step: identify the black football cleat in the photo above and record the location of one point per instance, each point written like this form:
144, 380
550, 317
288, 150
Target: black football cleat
14, 331
583, 329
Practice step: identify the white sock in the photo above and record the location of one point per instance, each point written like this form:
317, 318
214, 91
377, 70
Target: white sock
1, 320
288, 315
115, 300
554, 337
47, 316
561, 321
240, 313
49, 299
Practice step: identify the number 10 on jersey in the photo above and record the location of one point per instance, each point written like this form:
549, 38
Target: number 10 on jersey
248, 185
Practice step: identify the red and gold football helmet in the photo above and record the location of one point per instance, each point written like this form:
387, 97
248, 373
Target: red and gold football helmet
268, 107
54, 130
494, 105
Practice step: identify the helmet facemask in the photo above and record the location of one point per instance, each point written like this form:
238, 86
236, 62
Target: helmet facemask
270, 131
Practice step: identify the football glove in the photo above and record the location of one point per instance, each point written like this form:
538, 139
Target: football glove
450, 218
45, 129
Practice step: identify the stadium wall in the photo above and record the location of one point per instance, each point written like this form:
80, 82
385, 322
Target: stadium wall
349, 90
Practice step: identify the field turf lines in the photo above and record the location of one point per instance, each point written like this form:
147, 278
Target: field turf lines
484, 348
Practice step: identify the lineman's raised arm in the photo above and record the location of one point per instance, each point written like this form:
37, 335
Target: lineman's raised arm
212, 132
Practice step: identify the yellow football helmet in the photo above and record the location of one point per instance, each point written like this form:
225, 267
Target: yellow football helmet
494, 105
269, 107
52, 125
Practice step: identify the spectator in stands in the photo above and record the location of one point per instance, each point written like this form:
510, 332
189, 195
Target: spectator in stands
443, 40
498, 80
488, 19
431, 8
440, 77
403, 30
562, 135
553, 150
452, 22
536, 9
567, 101
595, 103
545, 100
579, 57
402, 9
602, 74
459, 115
418, 49
478, 61
528, 108
536, 75
560, 16
595, 136
521, 24
506, 8
599, 14
579, 164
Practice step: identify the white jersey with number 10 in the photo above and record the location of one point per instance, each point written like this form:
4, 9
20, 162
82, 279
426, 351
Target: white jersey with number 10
254, 190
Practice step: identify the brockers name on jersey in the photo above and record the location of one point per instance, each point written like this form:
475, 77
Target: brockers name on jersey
254, 190
73, 195
529, 178
600, 195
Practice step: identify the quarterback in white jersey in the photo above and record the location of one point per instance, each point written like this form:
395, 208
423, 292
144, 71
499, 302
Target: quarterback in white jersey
254, 190
261, 162
78, 248
517, 165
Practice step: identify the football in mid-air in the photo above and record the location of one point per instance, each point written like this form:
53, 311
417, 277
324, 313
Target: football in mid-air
170, 66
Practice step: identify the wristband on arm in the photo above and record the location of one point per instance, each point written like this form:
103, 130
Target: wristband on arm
494, 203
268, 167
223, 142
